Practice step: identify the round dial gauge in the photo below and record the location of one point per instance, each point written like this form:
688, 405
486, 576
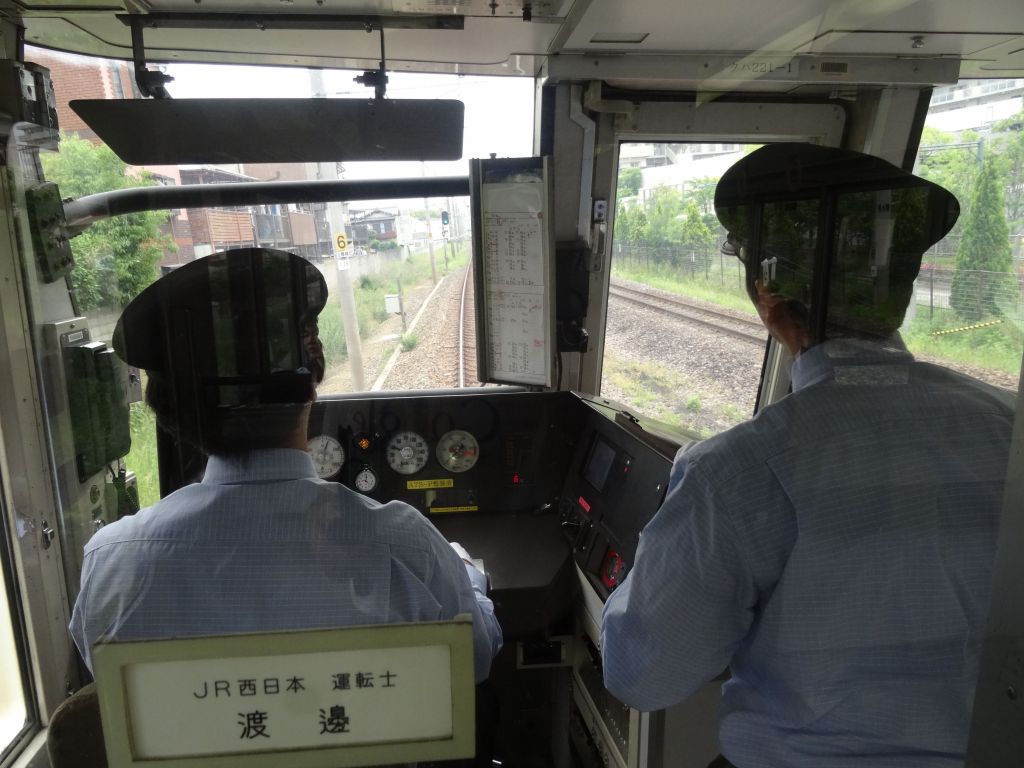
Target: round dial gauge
407, 453
366, 480
457, 450
328, 455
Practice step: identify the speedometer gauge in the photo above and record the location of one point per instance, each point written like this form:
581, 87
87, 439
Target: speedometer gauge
407, 453
457, 450
327, 454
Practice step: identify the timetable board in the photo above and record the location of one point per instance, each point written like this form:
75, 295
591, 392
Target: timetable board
513, 270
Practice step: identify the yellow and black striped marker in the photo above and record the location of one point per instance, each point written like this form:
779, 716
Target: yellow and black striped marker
966, 328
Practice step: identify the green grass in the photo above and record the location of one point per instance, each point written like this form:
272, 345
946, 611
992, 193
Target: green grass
728, 294
995, 347
141, 459
734, 414
661, 393
369, 291
408, 342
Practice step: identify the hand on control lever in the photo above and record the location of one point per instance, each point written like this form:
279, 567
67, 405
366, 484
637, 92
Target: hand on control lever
477, 576
461, 552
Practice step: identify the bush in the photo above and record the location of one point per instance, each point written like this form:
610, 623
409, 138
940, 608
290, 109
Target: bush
408, 342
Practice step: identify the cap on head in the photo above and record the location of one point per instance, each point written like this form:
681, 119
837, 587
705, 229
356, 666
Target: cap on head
812, 221
232, 323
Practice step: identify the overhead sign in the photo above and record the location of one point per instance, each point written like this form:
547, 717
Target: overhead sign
341, 241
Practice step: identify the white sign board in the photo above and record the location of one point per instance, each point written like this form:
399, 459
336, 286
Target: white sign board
514, 247
231, 706
245, 699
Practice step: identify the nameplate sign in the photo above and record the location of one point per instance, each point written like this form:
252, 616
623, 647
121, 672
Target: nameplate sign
358, 696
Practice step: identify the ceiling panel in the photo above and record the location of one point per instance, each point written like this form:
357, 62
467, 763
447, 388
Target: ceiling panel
980, 31
852, 42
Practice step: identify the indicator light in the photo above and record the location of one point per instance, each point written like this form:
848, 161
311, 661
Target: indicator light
515, 478
363, 443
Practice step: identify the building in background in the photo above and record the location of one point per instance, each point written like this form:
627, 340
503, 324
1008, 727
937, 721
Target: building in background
301, 228
377, 224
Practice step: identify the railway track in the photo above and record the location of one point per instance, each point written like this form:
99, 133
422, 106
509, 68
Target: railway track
467, 333
723, 322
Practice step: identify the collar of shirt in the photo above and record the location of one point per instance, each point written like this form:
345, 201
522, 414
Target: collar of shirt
262, 466
853, 361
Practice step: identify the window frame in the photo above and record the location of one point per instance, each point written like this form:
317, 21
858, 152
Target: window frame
717, 122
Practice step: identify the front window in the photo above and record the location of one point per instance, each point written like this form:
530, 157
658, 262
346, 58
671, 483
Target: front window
415, 250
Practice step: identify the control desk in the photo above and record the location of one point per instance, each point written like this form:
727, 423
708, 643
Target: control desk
529, 482
551, 490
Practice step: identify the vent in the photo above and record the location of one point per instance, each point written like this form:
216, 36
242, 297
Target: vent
834, 68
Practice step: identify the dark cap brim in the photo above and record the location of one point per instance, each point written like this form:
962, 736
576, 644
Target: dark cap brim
268, 282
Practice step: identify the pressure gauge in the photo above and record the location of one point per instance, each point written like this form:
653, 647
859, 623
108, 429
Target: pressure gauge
407, 453
366, 480
328, 455
457, 450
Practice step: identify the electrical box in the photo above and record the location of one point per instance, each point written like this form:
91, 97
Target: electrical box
97, 402
49, 231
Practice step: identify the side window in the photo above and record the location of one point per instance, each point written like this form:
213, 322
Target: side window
683, 344
13, 712
969, 308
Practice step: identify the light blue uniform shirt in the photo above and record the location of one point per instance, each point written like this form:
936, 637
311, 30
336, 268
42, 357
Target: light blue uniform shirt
835, 553
262, 544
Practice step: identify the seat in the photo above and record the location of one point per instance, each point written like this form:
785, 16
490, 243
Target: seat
75, 736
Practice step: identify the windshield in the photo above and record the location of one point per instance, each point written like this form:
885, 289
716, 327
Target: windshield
397, 270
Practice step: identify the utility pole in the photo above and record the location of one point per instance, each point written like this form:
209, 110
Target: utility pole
430, 233
336, 215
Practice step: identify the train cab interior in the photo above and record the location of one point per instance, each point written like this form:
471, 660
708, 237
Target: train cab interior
380, 140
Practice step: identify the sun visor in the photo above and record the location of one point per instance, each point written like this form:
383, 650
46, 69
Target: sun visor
214, 131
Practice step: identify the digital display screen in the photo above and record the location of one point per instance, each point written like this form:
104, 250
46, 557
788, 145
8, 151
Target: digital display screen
602, 455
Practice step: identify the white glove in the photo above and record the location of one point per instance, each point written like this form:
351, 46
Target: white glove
461, 551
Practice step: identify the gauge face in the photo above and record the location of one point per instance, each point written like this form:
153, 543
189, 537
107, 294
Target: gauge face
457, 450
366, 480
407, 453
328, 455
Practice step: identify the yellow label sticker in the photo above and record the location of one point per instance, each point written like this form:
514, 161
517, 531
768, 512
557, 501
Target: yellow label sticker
444, 510
422, 485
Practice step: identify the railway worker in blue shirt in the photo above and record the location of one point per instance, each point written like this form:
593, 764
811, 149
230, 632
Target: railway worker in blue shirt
230, 344
835, 552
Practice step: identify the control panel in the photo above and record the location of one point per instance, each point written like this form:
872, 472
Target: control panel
614, 484
485, 466
474, 454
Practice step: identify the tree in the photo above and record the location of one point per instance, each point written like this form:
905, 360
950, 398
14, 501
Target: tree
984, 254
115, 258
1009, 146
695, 235
702, 192
630, 181
631, 224
664, 208
952, 162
